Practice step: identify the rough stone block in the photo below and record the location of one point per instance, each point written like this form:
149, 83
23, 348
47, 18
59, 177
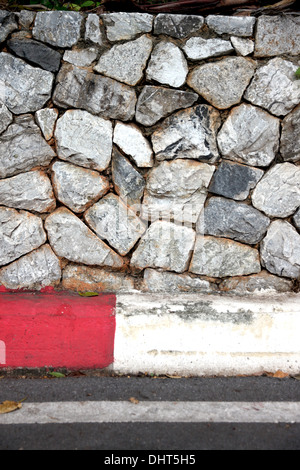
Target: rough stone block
222, 83
23, 148
277, 35
20, 233
165, 281
8, 24
280, 250
261, 283
40, 268
237, 25
70, 238
58, 28
82, 89
190, 133
234, 181
126, 62
87, 279
242, 46
220, 257
230, 219
77, 187
23, 88
176, 190
155, 103
249, 135
93, 32
164, 245
197, 48
167, 65
278, 192
26, 18
36, 52
115, 223
81, 57
129, 184
290, 142
177, 26
275, 87
131, 141
46, 119
84, 139
6, 117
122, 26
30, 191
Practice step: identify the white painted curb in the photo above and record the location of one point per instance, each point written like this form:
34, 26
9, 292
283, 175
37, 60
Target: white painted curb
194, 334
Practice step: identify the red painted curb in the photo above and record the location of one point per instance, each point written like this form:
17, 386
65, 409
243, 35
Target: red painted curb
56, 329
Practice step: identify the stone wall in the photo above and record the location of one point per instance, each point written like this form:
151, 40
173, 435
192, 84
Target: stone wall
156, 153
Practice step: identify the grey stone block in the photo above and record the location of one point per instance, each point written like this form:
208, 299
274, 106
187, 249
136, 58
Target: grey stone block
129, 184
222, 83
280, 250
190, 133
278, 192
70, 238
23, 88
220, 257
155, 103
177, 26
40, 268
234, 181
23, 148
20, 233
58, 28
36, 53
227, 218
164, 245
82, 89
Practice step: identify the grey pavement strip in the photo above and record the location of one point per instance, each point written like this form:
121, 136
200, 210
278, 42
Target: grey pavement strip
154, 411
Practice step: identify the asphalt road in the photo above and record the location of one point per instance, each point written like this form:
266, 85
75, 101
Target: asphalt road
145, 417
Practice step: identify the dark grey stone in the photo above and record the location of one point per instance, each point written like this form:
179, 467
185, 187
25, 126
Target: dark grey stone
230, 219
36, 53
296, 219
129, 183
234, 180
8, 24
177, 26
290, 142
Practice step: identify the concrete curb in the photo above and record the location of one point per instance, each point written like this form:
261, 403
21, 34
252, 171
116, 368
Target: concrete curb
192, 334
185, 334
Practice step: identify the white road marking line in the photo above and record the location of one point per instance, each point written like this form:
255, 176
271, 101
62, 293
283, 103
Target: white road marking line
154, 411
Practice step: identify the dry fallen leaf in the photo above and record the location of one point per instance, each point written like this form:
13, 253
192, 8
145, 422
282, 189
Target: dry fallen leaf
279, 374
88, 294
9, 406
134, 400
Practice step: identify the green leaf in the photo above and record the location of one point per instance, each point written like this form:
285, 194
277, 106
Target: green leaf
89, 3
297, 73
56, 374
88, 294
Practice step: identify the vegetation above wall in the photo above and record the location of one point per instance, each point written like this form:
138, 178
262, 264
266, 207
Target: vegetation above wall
240, 7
